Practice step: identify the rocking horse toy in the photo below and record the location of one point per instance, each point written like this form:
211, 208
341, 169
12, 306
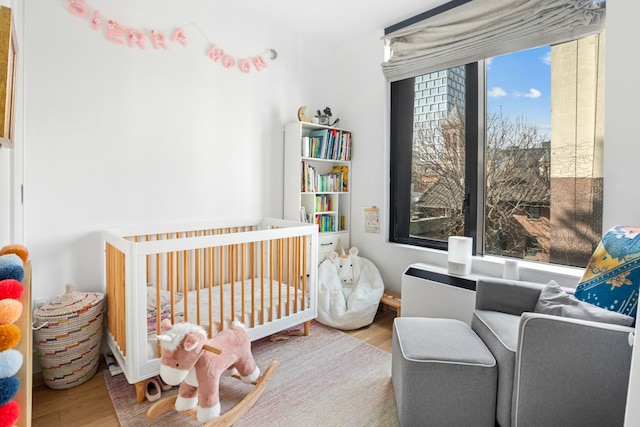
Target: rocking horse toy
196, 363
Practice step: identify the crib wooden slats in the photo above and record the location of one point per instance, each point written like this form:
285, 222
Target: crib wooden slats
207, 276
116, 301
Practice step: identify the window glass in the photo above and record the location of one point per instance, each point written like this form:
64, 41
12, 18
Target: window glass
544, 152
438, 165
529, 128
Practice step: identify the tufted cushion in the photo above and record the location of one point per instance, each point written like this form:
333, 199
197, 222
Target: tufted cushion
612, 278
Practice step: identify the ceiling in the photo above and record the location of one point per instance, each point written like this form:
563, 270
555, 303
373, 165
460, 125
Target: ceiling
336, 20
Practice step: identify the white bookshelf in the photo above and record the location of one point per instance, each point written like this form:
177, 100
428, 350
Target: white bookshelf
324, 195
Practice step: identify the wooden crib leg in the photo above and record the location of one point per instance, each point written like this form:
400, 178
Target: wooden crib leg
140, 390
307, 325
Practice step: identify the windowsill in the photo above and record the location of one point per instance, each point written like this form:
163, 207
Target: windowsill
491, 265
536, 271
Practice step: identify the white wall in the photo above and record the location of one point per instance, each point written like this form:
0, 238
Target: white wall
116, 135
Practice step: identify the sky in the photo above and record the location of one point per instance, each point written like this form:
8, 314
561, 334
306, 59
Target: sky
520, 84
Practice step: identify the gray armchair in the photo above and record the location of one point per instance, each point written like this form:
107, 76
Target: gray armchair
552, 370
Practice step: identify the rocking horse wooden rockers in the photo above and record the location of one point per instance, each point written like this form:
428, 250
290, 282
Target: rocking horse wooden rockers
196, 363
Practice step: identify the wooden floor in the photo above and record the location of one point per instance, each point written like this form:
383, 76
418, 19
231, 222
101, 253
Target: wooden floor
89, 404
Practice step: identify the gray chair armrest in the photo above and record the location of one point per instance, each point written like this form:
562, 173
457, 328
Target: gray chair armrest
570, 372
507, 296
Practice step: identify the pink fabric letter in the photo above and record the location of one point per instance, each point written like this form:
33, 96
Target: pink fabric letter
179, 36
258, 61
245, 66
96, 21
215, 53
228, 61
78, 9
115, 32
136, 37
158, 39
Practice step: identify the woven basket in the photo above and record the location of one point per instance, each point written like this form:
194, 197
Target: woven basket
67, 336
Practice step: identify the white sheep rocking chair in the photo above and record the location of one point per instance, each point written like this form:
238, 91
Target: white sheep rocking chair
349, 291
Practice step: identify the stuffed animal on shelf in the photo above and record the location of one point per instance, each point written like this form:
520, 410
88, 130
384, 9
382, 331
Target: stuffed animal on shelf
195, 362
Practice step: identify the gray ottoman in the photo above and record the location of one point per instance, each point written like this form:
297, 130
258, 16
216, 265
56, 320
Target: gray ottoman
442, 374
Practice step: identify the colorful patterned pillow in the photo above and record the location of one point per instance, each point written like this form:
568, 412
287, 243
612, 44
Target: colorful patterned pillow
612, 278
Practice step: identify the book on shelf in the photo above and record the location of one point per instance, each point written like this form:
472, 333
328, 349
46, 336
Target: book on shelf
329, 144
336, 181
345, 148
326, 223
342, 177
342, 223
309, 178
304, 217
318, 141
323, 203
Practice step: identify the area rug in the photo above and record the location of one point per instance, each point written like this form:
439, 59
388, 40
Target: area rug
328, 378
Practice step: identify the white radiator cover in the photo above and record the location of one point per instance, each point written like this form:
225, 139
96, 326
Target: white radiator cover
430, 291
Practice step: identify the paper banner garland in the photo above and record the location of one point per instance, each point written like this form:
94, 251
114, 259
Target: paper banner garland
136, 38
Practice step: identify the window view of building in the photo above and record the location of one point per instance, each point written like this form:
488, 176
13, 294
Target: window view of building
438, 158
542, 139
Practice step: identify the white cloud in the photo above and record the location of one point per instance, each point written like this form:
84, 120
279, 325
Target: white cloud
533, 93
496, 92
546, 59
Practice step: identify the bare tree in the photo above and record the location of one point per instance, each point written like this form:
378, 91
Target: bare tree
517, 159
517, 177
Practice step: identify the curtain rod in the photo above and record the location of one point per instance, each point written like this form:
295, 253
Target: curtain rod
424, 15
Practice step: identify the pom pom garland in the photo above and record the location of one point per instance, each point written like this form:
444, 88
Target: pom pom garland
12, 259
10, 363
9, 336
11, 267
10, 311
9, 414
8, 389
11, 288
17, 249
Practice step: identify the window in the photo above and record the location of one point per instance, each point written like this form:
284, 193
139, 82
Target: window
533, 212
507, 150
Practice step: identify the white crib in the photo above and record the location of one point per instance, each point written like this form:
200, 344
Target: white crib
256, 271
